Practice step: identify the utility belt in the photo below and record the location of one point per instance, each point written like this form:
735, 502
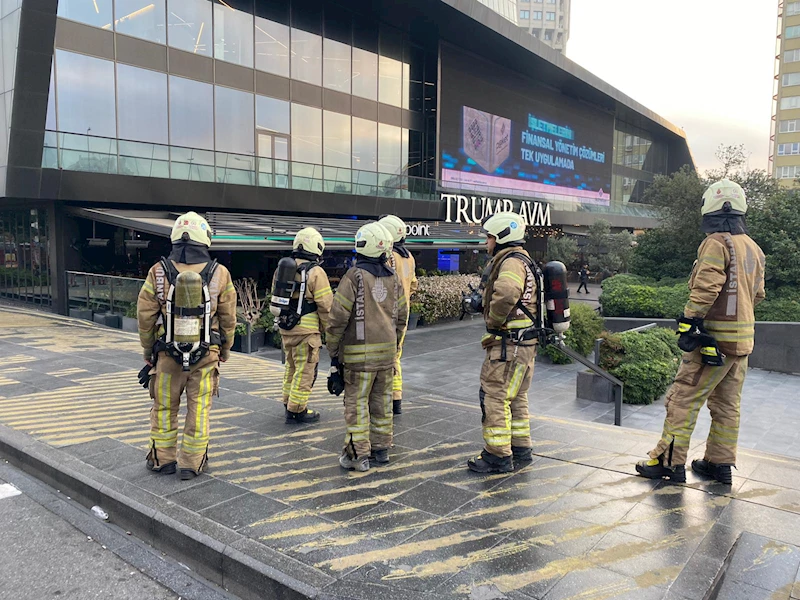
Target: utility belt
290, 316
517, 337
173, 350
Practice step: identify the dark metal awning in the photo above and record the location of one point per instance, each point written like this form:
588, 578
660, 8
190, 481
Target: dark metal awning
240, 231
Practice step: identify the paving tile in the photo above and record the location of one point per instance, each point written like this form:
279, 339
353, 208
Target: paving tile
435, 497
243, 510
206, 494
764, 563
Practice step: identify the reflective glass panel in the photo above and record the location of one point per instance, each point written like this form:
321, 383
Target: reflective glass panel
390, 85
389, 147
233, 35
234, 121
306, 134
189, 23
336, 148
306, 57
272, 114
191, 113
142, 104
365, 74
9, 37
272, 47
86, 100
144, 19
92, 12
50, 123
365, 145
336, 66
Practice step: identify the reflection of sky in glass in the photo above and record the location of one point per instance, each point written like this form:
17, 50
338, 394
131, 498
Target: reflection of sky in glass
233, 35
189, 23
336, 144
306, 57
142, 104
142, 18
191, 113
86, 102
96, 13
272, 47
234, 121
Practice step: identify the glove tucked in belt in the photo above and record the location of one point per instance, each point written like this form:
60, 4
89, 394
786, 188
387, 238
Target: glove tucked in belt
336, 378
693, 335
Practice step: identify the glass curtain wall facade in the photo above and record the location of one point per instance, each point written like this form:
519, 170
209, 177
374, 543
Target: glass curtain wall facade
24, 256
110, 117
637, 160
9, 36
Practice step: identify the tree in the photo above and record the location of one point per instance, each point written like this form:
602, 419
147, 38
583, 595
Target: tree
608, 251
775, 226
563, 249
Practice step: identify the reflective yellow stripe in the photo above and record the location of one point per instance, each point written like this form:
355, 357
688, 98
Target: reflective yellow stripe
519, 324
322, 293
228, 288
729, 325
496, 317
713, 260
148, 287
513, 276
345, 303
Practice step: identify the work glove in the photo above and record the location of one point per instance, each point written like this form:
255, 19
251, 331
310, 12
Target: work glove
144, 376
689, 330
709, 351
336, 378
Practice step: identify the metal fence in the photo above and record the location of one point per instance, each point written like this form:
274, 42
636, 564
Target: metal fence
102, 293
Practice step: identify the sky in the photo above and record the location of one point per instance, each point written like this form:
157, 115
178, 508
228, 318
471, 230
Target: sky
706, 66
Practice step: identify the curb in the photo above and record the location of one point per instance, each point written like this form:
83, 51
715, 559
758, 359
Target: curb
239, 564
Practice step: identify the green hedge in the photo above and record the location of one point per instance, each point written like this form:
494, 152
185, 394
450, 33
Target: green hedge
585, 327
440, 296
645, 362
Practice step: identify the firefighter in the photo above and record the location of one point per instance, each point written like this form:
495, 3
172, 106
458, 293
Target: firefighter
509, 309
402, 261
717, 332
184, 344
302, 321
367, 323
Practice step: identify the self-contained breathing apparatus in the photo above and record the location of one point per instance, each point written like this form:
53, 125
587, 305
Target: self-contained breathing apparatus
287, 309
553, 314
187, 327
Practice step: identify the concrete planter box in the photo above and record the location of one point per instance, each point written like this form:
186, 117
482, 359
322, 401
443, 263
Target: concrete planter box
130, 324
80, 313
413, 320
591, 386
108, 319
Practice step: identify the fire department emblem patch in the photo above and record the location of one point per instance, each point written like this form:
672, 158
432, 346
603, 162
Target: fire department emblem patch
379, 291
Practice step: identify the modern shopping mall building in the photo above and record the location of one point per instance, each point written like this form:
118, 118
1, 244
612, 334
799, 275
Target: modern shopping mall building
270, 115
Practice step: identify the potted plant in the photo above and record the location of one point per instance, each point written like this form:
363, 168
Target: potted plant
250, 307
267, 324
415, 310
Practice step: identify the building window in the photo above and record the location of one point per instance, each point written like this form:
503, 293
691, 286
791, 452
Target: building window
365, 74
191, 113
233, 35
234, 121
272, 114
336, 66
142, 105
306, 134
789, 149
336, 140
551, 16
389, 146
790, 172
548, 36
306, 57
790, 102
791, 56
365, 145
791, 79
792, 32
551, 1
144, 19
189, 23
524, 14
390, 83
793, 8
789, 126
86, 97
272, 47
95, 12
537, 15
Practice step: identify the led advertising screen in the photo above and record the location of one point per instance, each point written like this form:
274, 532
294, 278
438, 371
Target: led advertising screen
498, 130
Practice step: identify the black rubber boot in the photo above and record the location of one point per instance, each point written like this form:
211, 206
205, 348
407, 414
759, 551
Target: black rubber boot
397, 407
307, 416
379, 457
654, 468
167, 469
722, 473
489, 463
187, 474
521, 455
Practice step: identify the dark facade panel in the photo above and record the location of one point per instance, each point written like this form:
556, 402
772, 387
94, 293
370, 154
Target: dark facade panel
37, 29
274, 86
30, 110
33, 71
141, 53
365, 109
391, 115
27, 148
84, 39
234, 76
336, 101
22, 182
304, 93
191, 65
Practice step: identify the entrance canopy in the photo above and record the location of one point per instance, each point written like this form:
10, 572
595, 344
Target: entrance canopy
258, 232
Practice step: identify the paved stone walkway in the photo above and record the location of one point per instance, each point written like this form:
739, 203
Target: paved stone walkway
573, 524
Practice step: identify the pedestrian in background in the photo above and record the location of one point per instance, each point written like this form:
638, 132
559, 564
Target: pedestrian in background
584, 276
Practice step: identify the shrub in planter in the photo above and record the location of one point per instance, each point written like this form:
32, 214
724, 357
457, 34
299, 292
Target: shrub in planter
645, 362
585, 327
440, 296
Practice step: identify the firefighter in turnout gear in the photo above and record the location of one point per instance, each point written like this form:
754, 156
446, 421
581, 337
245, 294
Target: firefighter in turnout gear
509, 308
716, 333
302, 321
187, 317
367, 323
403, 264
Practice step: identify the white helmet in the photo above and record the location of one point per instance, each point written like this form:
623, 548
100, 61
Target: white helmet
505, 227
191, 227
309, 240
722, 192
373, 240
395, 226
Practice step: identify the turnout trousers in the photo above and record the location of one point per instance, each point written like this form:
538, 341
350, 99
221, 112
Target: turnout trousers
367, 411
300, 374
504, 398
397, 380
696, 384
201, 384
